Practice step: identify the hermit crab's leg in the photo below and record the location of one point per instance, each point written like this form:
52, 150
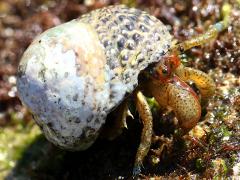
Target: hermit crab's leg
147, 131
180, 98
203, 81
211, 34
201, 39
115, 129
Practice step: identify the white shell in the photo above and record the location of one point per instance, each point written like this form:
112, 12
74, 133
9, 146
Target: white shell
65, 91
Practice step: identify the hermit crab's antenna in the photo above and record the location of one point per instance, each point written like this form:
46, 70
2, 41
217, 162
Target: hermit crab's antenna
211, 33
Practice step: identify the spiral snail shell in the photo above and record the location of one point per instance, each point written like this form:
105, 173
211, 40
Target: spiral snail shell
73, 75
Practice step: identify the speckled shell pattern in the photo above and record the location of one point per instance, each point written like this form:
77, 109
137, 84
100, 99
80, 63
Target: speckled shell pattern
74, 74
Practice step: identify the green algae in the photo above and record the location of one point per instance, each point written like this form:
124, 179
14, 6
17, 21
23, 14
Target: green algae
14, 141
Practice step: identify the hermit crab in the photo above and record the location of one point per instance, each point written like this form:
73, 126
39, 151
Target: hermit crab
73, 75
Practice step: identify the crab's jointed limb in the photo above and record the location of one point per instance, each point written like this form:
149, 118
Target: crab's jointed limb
209, 35
147, 131
203, 38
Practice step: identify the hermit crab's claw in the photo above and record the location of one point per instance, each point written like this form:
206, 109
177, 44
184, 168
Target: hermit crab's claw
177, 95
185, 104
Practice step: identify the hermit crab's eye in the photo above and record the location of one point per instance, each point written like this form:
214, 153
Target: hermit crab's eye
181, 49
164, 72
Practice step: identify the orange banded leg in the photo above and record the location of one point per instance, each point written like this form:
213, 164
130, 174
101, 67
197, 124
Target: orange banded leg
147, 131
204, 82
